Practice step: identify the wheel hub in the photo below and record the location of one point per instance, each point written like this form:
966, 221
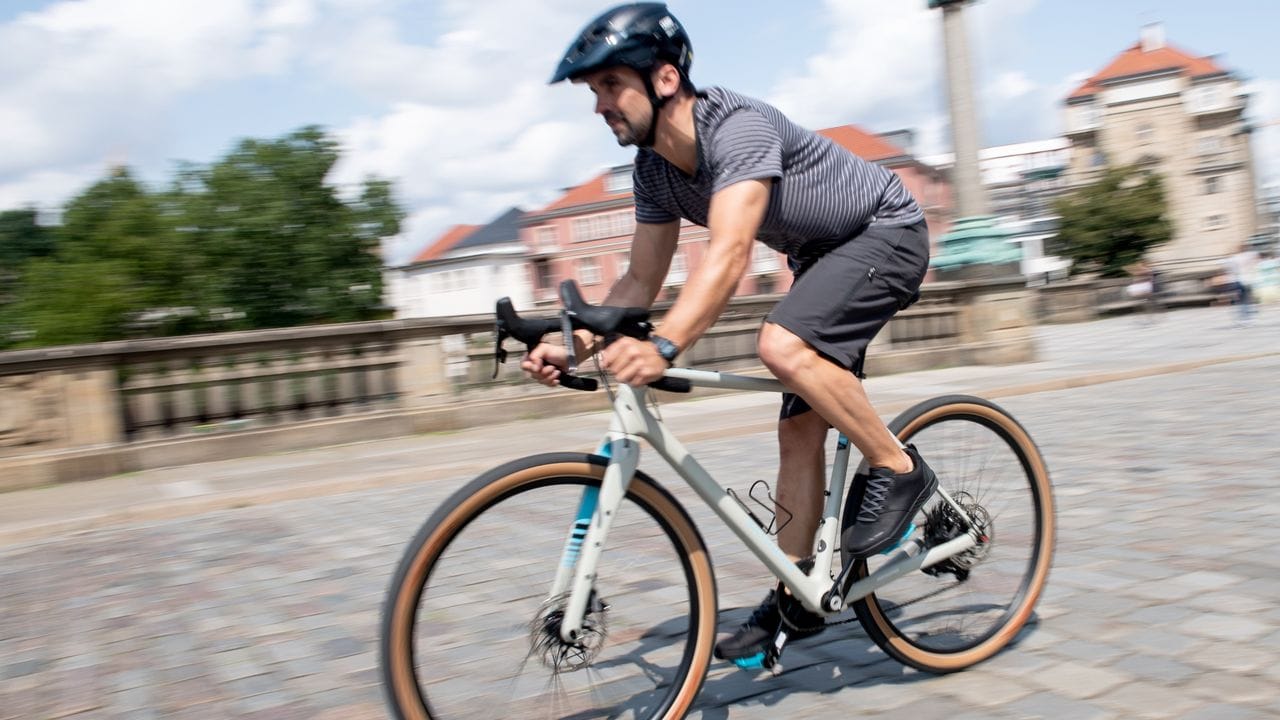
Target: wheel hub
945, 524
560, 655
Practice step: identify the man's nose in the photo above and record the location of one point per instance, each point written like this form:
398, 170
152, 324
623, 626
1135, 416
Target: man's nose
601, 107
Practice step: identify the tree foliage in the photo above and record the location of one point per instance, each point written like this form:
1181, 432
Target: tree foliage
255, 240
1112, 222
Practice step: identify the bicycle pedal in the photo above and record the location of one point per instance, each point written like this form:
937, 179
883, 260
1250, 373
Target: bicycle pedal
911, 529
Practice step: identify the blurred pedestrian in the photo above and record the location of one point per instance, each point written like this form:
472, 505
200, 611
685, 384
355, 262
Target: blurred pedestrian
1241, 270
1268, 278
1145, 288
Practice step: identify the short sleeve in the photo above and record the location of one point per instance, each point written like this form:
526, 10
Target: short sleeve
746, 146
647, 208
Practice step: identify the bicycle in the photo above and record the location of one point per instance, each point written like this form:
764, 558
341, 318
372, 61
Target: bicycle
509, 579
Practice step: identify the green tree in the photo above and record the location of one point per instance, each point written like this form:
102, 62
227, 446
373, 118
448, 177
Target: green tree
255, 240
280, 246
118, 262
1112, 222
22, 238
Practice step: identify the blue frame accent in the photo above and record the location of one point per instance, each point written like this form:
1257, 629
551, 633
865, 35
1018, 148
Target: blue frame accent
586, 508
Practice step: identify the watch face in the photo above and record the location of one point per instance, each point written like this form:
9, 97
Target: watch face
666, 348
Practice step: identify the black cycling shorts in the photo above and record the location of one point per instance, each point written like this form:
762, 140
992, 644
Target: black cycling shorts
840, 301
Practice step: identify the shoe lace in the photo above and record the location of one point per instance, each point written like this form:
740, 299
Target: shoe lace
873, 501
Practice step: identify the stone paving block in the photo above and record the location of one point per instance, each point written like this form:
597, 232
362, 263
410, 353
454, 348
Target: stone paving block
1052, 706
1080, 681
1159, 669
1232, 628
1148, 700
1223, 711
1232, 687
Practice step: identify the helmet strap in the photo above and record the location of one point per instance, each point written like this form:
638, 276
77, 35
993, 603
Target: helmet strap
657, 104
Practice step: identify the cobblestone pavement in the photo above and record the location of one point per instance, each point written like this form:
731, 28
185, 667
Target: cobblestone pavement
1162, 602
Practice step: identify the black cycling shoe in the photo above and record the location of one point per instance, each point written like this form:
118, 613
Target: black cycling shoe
758, 642
886, 504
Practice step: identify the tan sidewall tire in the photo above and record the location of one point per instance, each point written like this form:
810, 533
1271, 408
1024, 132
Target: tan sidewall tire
399, 671
878, 626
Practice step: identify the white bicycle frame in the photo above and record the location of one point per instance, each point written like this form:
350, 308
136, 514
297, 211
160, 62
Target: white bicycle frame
632, 422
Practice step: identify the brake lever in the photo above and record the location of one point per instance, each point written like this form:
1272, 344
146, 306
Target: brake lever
566, 331
499, 352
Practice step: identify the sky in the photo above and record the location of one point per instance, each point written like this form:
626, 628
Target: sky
448, 99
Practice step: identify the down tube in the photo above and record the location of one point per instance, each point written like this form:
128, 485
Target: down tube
755, 538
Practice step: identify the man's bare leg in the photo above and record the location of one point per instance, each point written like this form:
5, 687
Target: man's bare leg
801, 472
834, 392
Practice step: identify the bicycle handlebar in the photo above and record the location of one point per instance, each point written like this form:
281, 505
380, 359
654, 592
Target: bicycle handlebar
604, 320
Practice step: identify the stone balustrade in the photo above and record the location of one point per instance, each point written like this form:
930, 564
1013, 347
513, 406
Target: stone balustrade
77, 412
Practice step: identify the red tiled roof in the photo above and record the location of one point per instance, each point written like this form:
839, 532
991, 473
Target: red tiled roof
445, 242
589, 192
1136, 61
862, 143
858, 141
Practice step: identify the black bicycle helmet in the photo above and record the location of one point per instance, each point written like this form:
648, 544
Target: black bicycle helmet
636, 35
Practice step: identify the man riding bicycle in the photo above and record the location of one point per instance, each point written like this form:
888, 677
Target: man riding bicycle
854, 237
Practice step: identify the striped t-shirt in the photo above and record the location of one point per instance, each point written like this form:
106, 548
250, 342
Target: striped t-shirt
821, 195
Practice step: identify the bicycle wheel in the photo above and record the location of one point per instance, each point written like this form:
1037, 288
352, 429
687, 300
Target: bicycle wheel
967, 608
468, 629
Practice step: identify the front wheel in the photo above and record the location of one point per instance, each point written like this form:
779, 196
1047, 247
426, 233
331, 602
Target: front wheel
965, 609
470, 630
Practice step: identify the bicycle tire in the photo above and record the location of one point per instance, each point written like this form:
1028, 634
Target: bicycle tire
906, 618
443, 691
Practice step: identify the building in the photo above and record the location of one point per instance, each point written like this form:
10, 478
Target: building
585, 234
1181, 116
464, 271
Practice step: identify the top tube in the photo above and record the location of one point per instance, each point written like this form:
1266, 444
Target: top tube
716, 379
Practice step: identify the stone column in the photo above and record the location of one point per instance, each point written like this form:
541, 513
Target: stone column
966, 175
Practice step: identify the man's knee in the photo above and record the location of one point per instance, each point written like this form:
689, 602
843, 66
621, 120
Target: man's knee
781, 350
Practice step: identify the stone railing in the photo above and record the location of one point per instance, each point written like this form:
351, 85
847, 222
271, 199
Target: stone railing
85, 411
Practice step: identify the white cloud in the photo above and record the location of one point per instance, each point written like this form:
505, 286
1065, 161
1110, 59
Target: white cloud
1011, 85
881, 67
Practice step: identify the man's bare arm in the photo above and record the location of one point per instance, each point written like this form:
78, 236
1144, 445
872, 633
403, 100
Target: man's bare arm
733, 220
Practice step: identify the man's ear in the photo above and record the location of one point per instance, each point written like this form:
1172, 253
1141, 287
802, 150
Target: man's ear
666, 80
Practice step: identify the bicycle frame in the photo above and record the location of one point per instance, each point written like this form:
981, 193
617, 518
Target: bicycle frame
632, 421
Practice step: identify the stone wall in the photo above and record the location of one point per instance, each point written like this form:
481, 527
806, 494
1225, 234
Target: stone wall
79, 412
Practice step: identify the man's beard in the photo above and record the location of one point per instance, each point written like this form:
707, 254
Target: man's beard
628, 133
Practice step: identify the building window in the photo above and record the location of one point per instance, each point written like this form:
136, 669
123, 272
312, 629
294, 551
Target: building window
1145, 133
545, 237
1212, 185
1215, 222
618, 180
1099, 159
542, 279
589, 271
604, 225
764, 259
1208, 145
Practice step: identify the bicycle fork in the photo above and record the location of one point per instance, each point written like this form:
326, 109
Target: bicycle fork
597, 509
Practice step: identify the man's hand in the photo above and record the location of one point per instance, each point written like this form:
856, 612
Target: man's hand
545, 363
634, 362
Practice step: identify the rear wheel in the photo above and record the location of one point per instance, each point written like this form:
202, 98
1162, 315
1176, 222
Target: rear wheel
968, 607
470, 632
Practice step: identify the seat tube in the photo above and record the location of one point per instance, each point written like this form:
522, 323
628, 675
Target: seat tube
831, 508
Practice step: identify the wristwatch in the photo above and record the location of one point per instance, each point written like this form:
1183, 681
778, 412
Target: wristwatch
667, 349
